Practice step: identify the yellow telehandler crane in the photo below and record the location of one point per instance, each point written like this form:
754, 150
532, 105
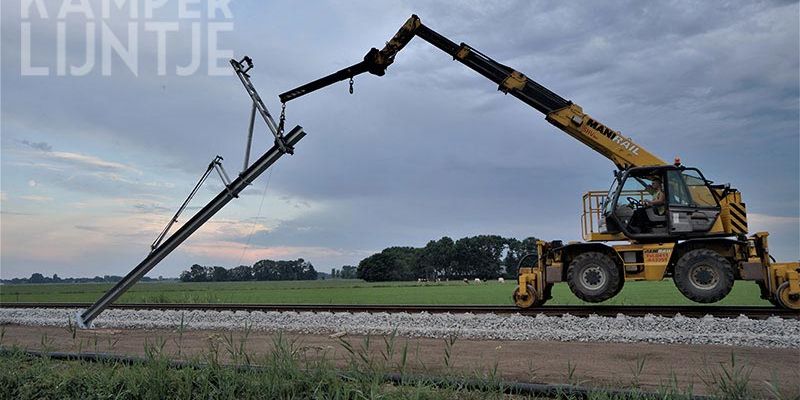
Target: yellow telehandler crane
671, 219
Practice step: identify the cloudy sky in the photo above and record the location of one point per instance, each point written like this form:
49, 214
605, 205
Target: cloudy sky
98, 149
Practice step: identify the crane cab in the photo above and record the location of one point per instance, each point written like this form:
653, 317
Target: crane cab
661, 203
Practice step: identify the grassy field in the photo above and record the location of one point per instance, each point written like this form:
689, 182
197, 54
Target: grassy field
353, 292
285, 373
230, 369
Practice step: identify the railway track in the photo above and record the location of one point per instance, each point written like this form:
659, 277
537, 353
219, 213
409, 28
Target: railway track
575, 310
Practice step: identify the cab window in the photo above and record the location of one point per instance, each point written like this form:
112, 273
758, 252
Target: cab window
687, 188
636, 187
608, 206
678, 194
700, 193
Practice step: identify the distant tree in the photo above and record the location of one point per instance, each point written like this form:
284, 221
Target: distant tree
406, 261
284, 270
36, 278
241, 273
264, 270
479, 256
197, 273
377, 267
392, 264
307, 271
436, 259
348, 272
219, 274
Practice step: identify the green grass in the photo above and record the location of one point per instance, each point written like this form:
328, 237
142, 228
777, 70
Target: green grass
285, 373
288, 371
354, 292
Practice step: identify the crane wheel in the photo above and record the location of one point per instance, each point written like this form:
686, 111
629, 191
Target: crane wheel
528, 300
703, 276
594, 277
786, 300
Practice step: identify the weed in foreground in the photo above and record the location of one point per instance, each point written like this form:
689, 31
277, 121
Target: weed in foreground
731, 380
778, 391
449, 342
670, 389
636, 371
179, 340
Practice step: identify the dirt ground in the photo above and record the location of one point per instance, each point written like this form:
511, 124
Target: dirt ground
590, 364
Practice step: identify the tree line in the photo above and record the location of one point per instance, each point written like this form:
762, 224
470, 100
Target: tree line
483, 256
264, 270
39, 278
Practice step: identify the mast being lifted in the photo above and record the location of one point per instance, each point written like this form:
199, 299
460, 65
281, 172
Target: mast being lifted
164, 245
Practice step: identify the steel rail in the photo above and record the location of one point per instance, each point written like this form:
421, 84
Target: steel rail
753, 312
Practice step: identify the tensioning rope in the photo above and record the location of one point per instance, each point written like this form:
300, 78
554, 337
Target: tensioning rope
258, 215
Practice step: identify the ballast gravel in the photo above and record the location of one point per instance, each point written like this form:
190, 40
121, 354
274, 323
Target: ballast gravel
773, 332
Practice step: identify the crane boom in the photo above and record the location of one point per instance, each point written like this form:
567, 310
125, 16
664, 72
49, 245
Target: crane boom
564, 114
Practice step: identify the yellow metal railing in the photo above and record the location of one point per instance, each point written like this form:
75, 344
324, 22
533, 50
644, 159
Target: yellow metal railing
593, 209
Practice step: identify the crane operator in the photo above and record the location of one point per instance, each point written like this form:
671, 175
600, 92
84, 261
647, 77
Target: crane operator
639, 222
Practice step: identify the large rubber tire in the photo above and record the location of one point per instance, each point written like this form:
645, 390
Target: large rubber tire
593, 277
703, 276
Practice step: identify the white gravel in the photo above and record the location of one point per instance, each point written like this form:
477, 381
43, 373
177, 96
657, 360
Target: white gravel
773, 332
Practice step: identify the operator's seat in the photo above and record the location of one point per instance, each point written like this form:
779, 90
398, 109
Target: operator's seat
654, 217
656, 223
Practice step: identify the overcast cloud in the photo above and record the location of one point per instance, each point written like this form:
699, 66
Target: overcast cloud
94, 166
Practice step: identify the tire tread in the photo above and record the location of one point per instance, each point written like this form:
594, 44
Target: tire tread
681, 277
614, 278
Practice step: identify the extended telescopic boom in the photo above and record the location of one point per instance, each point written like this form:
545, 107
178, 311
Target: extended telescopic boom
562, 113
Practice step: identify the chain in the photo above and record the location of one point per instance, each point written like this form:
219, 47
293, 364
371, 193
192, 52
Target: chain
351, 85
282, 119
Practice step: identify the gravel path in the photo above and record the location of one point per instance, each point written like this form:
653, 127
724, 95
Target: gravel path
773, 332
